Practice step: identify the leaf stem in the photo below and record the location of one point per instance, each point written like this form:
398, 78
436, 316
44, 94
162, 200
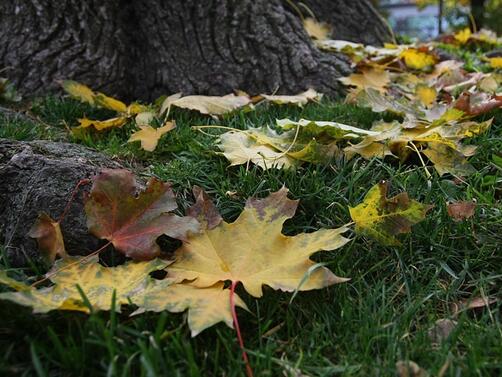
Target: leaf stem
249, 371
72, 198
48, 275
427, 173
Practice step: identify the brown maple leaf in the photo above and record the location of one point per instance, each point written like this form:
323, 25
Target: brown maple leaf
132, 219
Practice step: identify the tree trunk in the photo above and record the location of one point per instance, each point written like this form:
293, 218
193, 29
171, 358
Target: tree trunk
354, 20
146, 48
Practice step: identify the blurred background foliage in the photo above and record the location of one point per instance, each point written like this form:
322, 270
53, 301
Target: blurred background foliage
420, 18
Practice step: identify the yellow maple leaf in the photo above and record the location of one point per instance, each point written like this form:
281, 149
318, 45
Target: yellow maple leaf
110, 103
382, 219
98, 283
496, 62
149, 136
426, 94
416, 59
374, 78
206, 306
127, 283
463, 35
79, 91
252, 250
102, 124
317, 30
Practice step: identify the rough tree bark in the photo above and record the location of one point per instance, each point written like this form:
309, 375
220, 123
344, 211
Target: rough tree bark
354, 20
39, 176
145, 48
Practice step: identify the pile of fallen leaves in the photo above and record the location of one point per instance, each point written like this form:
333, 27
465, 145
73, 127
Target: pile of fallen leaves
251, 250
434, 102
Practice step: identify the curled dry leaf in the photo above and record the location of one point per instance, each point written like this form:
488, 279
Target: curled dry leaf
131, 219
298, 99
149, 136
459, 211
382, 219
211, 105
240, 148
252, 250
48, 234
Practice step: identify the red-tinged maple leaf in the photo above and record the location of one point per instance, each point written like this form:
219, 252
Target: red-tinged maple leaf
477, 103
131, 219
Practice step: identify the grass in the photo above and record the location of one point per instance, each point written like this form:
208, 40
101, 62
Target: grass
360, 328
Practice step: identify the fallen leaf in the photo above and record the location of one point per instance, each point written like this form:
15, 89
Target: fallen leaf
373, 78
317, 30
98, 283
144, 118
418, 60
448, 160
102, 124
463, 35
240, 148
459, 211
426, 94
211, 105
107, 288
252, 250
48, 234
334, 130
299, 99
496, 62
379, 102
410, 369
472, 304
206, 306
149, 136
382, 219
441, 330
132, 219
109, 103
79, 91
478, 103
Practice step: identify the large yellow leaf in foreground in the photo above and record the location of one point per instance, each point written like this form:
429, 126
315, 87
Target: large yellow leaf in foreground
206, 306
252, 250
130, 283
